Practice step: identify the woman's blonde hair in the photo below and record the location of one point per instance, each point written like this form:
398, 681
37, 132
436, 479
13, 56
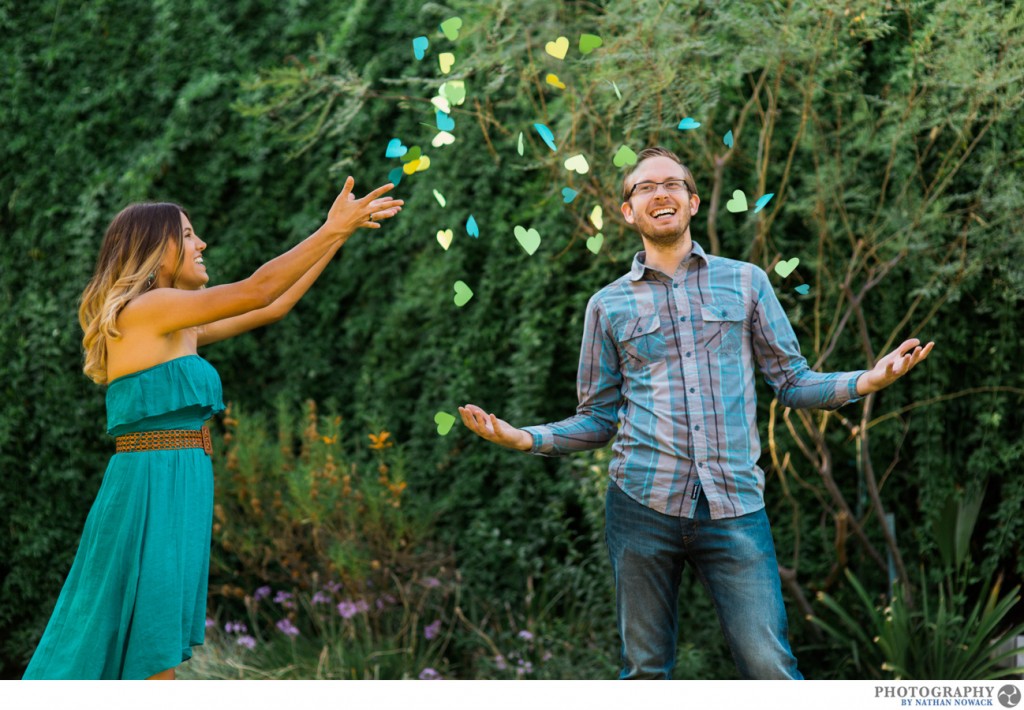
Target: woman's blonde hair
129, 261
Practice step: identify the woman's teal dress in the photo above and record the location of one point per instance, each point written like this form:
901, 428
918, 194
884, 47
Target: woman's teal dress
134, 602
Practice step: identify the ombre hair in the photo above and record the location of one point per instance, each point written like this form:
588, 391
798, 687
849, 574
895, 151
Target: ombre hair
657, 152
133, 248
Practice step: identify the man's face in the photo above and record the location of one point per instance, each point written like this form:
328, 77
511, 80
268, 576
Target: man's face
663, 216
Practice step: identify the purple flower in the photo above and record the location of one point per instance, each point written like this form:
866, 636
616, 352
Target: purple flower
547, 656
211, 623
362, 607
321, 598
286, 627
235, 627
347, 609
261, 593
248, 641
432, 630
525, 635
430, 674
431, 582
284, 599
333, 587
499, 663
524, 668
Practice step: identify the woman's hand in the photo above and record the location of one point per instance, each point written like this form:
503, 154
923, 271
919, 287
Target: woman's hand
348, 213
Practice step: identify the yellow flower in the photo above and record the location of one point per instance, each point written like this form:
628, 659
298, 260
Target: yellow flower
380, 441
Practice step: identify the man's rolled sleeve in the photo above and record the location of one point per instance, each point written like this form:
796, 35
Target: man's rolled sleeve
778, 355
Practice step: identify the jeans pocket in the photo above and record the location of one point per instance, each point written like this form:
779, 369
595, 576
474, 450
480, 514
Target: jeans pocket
640, 341
723, 327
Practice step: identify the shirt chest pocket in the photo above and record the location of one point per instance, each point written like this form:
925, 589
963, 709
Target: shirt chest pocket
723, 327
640, 341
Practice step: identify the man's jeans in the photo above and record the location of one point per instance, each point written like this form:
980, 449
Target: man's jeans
734, 560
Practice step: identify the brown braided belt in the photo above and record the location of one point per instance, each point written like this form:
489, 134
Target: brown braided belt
165, 439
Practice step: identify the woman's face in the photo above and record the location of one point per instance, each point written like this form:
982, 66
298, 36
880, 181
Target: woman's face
193, 271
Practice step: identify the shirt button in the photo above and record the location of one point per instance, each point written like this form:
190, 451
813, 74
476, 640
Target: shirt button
688, 354
675, 285
683, 319
697, 428
691, 389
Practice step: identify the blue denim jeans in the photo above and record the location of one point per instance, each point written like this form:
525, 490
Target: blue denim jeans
735, 561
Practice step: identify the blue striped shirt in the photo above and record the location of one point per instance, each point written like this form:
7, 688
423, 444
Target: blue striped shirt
667, 363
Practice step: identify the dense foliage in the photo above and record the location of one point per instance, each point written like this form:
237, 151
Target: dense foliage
890, 135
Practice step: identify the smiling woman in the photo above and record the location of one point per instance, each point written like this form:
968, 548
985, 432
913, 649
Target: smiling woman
134, 602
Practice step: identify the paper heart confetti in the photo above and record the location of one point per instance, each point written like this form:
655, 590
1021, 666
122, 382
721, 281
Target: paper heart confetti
554, 81
519, 149
462, 293
441, 104
802, 289
727, 139
738, 203
440, 198
424, 163
395, 149
588, 43
568, 195
529, 239
624, 156
445, 422
595, 242
762, 201
411, 167
558, 48
451, 27
443, 121
785, 268
454, 91
419, 47
395, 176
577, 163
688, 124
546, 135
597, 217
472, 229
444, 238
445, 60
443, 138
411, 154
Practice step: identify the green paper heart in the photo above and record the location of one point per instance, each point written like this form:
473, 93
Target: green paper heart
529, 239
445, 422
412, 154
588, 43
624, 156
738, 203
454, 91
451, 27
462, 293
785, 268
595, 242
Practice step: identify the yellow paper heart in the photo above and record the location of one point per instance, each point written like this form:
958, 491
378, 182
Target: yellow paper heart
424, 163
444, 238
554, 81
441, 104
442, 138
440, 198
597, 217
577, 163
558, 48
410, 167
445, 60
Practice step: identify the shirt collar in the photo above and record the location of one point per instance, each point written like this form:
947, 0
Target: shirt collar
637, 271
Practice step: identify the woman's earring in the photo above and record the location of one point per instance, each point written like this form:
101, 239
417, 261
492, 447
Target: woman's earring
150, 280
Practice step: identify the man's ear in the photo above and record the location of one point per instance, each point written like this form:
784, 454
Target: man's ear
627, 213
694, 204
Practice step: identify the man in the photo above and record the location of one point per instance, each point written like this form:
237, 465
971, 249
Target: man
667, 364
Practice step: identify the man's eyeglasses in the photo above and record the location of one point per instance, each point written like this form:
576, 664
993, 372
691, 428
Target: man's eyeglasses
648, 187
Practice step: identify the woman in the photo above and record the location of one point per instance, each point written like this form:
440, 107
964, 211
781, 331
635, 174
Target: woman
134, 602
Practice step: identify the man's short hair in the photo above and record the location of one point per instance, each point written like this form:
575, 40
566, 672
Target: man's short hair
657, 152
